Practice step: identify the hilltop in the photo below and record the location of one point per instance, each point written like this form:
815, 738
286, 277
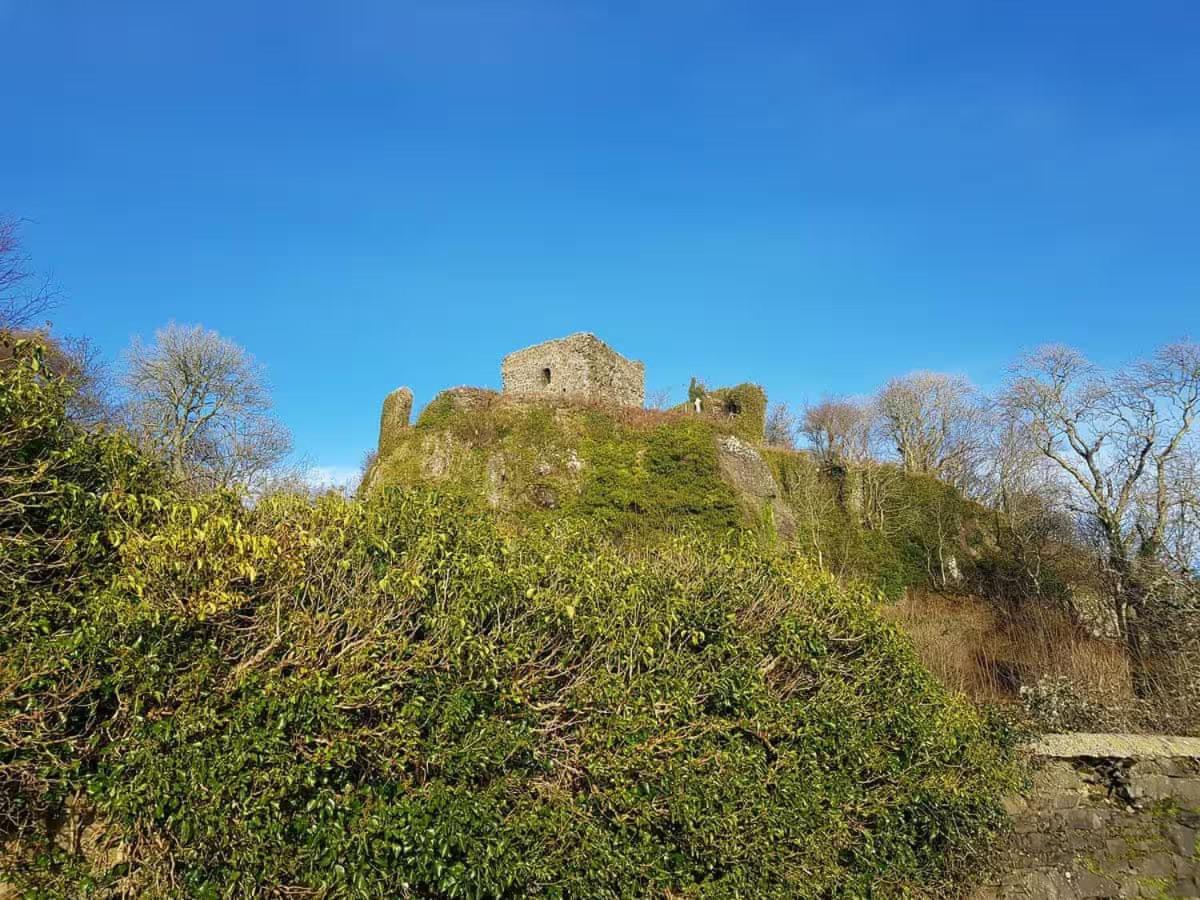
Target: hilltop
417, 693
559, 442
534, 459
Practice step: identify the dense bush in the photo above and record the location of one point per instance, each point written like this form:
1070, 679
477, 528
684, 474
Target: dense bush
390, 697
66, 498
667, 474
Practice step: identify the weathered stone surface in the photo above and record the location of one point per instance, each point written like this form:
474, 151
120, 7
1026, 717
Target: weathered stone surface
1186, 887
1186, 792
744, 468
437, 453
1083, 818
1152, 787
1014, 806
580, 366
397, 410
1079, 834
1183, 839
495, 480
1101, 746
1089, 884
1157, 865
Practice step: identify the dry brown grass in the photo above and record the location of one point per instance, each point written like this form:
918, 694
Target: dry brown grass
987, 655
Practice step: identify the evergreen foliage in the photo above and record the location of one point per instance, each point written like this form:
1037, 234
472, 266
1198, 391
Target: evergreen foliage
741, 409
391, 696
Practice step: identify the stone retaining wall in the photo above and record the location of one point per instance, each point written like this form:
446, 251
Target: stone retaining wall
1108, 816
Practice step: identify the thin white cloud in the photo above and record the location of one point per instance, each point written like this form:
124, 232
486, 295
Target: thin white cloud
323, 478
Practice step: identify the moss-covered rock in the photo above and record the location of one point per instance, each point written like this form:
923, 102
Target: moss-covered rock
742, 408
625, 469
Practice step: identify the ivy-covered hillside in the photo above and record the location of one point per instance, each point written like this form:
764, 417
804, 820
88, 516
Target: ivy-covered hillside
402, 696
632, 471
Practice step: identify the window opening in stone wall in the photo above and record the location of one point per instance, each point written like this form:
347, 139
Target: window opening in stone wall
545, 376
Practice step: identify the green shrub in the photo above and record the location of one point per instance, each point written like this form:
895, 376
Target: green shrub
668, 476
67, 498
392, 697
739, 410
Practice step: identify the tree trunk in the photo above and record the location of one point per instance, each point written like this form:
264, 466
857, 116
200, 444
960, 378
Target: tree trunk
1129, 605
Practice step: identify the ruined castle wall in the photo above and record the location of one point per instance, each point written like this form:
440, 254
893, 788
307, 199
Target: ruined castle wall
397, 410
578, 367
619, 379
525, 371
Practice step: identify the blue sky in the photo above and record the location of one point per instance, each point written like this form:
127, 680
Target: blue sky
814, 196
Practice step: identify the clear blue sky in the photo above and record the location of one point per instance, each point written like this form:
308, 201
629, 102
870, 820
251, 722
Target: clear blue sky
814, 196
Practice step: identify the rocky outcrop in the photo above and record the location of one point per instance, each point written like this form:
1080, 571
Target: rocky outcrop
749, 475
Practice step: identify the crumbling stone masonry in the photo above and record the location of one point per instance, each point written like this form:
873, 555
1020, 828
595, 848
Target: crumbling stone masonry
741, 409
579, 367
397, 410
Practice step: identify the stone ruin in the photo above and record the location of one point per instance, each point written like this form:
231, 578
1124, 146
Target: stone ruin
397, 410
579, 367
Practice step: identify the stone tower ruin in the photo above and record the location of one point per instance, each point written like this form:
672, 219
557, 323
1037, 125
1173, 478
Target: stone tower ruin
579, 367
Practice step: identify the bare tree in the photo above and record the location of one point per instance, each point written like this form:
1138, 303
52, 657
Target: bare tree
839, 431
202, 402
658, 399
1031, 520
24, 297
1181, 542
934, 421
91, 402
780, 427
1119, 439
